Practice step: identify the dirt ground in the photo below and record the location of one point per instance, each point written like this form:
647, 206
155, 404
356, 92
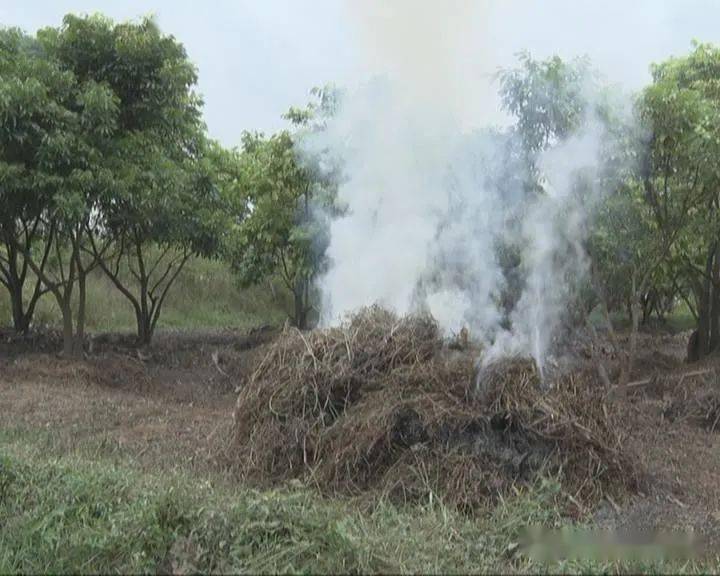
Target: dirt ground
167, 406
681, 459
171, 406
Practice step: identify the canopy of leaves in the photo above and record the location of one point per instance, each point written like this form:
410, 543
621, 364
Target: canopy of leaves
154, 155
278, 230
680, 171
53, 130
547, 97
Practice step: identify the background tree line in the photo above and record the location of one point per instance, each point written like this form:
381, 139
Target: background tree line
106, 165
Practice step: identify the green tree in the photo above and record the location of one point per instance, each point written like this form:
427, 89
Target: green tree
681, 177
53, 133
625, 254
278, 233
32, 110
548, 99
161, 208
102, 159
287, 196
26, 118
164, 211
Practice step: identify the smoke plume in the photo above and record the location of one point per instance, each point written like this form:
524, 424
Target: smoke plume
430, 197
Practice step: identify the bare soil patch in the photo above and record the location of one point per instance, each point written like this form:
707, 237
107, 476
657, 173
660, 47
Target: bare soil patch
166, 406
667, 418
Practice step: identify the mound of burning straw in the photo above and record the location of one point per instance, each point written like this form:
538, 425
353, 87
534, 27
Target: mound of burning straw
382, 404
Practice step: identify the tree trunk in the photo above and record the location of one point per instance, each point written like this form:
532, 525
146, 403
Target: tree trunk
68, 342
82, 303
715, 305
144, 329
301, 296
635, 311
145, 315
705, 308
21, 320
646, 303
13, 274
628, 308
13, 279
22, 313
300, 316
73, 331
72, 343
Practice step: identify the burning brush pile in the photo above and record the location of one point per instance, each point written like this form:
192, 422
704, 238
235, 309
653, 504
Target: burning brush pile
383, 404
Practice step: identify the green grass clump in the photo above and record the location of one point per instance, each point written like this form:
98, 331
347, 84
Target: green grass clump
69, 514
72, 514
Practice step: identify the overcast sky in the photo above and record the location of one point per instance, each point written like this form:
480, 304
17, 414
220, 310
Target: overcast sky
258, 57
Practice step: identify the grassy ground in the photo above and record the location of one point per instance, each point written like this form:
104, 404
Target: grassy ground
67, 513
109, 474
206, 296
71, 514
125, 492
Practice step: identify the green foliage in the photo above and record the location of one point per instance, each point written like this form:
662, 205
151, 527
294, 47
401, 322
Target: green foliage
280, 232
52, 145
163, 194
547, 97
325, 104
284, 196
154, 152
680, 177
54, 129
623, 245
123, 161
149, 73
277, 187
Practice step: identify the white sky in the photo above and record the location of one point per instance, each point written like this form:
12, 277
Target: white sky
258, 57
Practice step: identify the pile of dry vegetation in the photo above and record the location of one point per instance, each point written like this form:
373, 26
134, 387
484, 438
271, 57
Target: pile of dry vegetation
381, 403
697, 401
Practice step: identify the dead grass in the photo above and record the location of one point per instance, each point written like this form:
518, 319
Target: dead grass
159, 417
697, 402
381, 404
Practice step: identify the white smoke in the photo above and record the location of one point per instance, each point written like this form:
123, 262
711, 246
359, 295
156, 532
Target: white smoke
424, 208
553, 230
394, 168
421, 222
